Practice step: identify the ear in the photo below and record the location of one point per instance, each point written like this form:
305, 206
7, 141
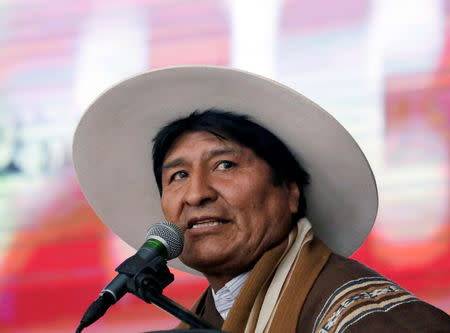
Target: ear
293, 196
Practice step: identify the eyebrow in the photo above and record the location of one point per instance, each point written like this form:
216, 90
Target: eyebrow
213, 153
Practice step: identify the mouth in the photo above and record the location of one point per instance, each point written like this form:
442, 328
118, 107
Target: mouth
204, 222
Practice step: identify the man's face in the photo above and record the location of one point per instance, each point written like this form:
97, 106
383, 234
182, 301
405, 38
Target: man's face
222, 196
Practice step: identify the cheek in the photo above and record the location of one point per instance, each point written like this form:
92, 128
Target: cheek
254, 207
168, 206
243, 193
271, 209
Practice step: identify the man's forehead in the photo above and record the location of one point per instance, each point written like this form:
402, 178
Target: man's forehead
202, 143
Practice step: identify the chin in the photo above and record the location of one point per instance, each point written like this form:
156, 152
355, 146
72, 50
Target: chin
216, 266
204, 265
204, 255
198, 263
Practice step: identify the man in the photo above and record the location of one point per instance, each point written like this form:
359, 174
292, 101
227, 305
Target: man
252, 224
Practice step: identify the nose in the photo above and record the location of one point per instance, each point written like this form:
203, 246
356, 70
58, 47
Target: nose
199, 190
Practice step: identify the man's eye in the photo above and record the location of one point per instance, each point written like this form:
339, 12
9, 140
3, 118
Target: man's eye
178, 175
224, 165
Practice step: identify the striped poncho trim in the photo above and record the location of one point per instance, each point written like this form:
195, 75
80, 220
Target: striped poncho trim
356, 299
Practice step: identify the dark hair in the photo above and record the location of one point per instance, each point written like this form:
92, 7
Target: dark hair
241, 129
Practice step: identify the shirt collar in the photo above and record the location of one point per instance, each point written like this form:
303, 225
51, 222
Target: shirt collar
225, 297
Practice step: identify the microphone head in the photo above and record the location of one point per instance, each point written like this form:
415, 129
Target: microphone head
171, 234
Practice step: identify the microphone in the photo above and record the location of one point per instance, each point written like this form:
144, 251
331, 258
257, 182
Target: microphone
164, 240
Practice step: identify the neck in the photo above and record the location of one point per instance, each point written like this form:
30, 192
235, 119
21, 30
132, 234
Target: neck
218, 281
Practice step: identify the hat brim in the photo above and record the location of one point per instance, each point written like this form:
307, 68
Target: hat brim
113, 143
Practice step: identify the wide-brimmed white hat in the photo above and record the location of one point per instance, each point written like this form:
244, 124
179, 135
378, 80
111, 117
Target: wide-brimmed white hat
113, 143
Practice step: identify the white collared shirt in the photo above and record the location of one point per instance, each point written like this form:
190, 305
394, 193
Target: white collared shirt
225, 297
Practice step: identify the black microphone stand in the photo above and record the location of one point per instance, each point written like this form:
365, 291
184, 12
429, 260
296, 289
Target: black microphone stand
146, 280
147, 287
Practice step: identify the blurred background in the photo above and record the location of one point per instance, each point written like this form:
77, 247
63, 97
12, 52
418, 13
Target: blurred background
382, 68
